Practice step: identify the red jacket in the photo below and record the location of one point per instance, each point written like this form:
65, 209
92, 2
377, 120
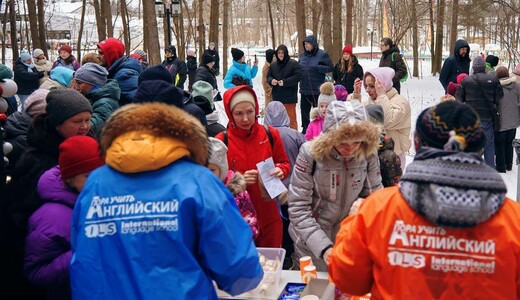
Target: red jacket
246, 149
389, 250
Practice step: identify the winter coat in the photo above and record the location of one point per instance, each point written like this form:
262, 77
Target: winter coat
397, 63
70, 63
454, 65
509, 106
50, 84
347, 78
43, 65
193, 109
389, 162
214, 127
314, 65
47, 246
290, 72
481, 91
246, 149
16, 129
236, 183
268, 90
104, 101
277, 117
178, 68
206, 74
395, 235
324, 184
27, 81
192, 69
59, 78
216, 57
184, 210
242, 70
315, 126
126, 71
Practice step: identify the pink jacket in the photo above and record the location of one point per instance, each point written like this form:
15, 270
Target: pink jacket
315, 127
236, 184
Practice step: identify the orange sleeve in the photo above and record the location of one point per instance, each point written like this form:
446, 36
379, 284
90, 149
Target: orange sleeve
350, 266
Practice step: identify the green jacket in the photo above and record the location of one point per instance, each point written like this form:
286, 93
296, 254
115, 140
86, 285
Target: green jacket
104, 101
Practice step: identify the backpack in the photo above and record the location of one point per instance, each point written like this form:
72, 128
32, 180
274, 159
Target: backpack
406, 65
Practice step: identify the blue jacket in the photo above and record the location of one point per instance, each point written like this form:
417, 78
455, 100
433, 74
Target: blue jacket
125, 70
314, 65
455, 65
239, 69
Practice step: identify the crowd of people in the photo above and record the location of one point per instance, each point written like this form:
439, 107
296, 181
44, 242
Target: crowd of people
123, 183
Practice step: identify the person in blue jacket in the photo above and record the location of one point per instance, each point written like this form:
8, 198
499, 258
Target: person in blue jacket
315, 64
240, 73
456, 64
155, 223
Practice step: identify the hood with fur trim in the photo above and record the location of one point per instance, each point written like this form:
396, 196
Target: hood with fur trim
143, 137
346, 121
235, 182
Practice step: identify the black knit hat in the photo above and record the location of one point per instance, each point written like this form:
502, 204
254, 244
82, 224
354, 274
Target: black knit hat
269, 53
157, 72
450, 126
492, 60
237, 54
159, 91
207, 58
63, 104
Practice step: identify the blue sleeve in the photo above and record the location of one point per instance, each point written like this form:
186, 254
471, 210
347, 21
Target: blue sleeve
127, 80
325, 64
254, 71
228, 79
226, 241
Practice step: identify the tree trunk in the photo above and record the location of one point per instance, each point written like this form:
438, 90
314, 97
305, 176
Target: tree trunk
225, 36
271, 21
14, 36
349, 19
191, 32
33, 23
454, 24
100, 21
107, 15
4, 30
126, 29
300, 23
151, 35
80, 30
337, 41
41, 27
213, 22
432, 36
415, 38
326, 23
202, 36
439, 34
316, 11
181, 39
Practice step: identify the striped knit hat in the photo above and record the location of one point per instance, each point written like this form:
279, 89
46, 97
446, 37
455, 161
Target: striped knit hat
451, 126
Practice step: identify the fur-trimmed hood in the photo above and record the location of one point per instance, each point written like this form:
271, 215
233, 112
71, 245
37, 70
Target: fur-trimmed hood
346, 122
235, 182
143, 137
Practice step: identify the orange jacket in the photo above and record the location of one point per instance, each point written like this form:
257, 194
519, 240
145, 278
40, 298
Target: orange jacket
392, 252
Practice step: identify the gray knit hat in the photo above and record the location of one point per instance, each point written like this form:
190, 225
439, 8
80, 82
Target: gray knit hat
202, 93
479, 65
92, 73
218, 156
63, 104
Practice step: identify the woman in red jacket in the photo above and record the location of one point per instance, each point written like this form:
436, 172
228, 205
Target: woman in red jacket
248, 144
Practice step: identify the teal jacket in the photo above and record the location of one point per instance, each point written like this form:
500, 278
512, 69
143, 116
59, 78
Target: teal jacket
104, 101
243, 70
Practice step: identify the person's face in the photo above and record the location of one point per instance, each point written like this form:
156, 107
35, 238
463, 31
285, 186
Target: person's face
215, 169
78, 182
384, 47
280, 54
41, 56
79, 124
101, 57
82, 87
244, 115
168, 54
346, 56
28, 61
370, 86
308, 46
64, 54
242, 60
348, 149
211, 47
463, 51
323, 108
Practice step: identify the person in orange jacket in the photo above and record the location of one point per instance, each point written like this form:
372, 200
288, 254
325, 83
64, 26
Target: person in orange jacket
446, 232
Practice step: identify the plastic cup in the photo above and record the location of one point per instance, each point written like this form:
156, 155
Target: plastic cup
309, 273
304, 261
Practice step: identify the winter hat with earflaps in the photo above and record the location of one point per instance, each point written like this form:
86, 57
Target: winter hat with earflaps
218, 156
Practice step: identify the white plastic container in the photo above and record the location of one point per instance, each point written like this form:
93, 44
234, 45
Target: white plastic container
268, 287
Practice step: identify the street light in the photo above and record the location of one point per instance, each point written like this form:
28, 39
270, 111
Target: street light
371, 32
166, 4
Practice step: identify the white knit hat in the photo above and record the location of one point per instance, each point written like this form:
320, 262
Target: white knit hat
243, 95
218, 156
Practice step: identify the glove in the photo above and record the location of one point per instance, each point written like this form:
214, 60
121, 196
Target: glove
41, 74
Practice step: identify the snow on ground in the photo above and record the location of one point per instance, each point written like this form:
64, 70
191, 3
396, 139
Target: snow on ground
421, 92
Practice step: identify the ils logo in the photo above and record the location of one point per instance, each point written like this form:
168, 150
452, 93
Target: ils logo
405, 259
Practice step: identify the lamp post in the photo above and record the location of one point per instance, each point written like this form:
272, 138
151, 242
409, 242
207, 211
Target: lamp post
167, 5
371, 33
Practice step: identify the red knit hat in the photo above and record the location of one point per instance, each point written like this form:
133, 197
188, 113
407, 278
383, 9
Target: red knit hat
461, 77
113, 49
347, 49
66, 48
79, 154
452, 88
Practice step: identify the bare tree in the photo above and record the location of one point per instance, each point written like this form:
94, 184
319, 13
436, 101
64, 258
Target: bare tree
348, 27
432, 33
100, 21
213, 22
200, 26
454, 23
33, 23
106, 10
271, 22
415, 37
225, 36
439, 34
151, 35
300, 23
41, 27
326, 34
80, 30
316, 12
337, 41
126, 29
4, 29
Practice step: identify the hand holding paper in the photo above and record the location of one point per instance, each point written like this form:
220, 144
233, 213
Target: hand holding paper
270, 176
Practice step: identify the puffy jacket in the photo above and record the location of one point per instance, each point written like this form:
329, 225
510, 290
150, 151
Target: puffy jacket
396, 246
126, 71
206, 74
510, 104
290, 72
176, 67
104, 101
71, 63
455, 65
396, 63
27, 81
315, 126
481, 91
183, 226
240, 69
347, 78
314, 65
47, 246
16, 129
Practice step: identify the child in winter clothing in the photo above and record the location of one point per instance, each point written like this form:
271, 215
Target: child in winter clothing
234, 181
66, 59
317, 114
389, 162
47, 245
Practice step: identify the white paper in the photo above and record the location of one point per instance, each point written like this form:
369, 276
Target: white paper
273, 184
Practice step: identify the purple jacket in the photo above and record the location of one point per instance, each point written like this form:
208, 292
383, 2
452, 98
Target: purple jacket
47, 245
